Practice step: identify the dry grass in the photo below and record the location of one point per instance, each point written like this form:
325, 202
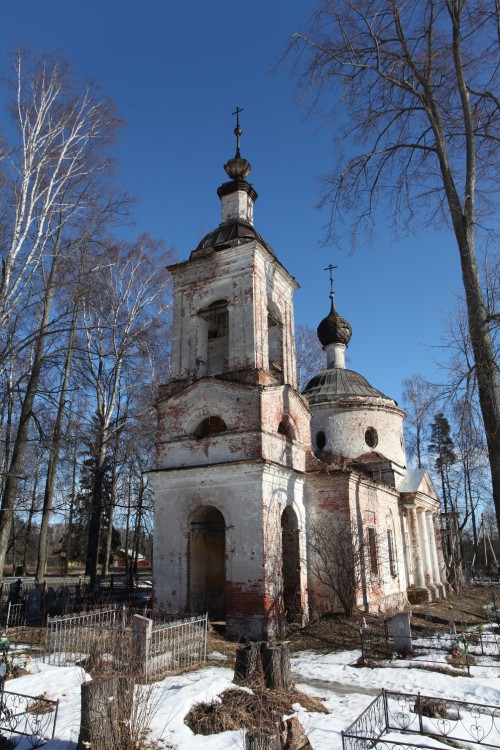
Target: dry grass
40, 706
337, 633
240, 709
460, 662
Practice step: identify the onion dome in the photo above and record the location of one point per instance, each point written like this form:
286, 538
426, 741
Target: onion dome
334, 329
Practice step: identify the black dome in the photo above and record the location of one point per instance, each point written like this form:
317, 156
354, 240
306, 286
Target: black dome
334, 329
339, 383
229, 234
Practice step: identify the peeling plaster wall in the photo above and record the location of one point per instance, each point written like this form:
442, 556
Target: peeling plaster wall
247, 277
251, 498
340, 496
345, 425
252, 416
377, 505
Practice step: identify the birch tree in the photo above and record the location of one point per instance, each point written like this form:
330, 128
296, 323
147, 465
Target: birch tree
51, 176
415, 91
128, 298
419, 398
60, 140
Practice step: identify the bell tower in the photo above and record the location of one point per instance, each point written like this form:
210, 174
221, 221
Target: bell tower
233, 306
233, 432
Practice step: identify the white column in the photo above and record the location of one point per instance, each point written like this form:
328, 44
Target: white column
418, 570
426, 555
434, 554
439, 547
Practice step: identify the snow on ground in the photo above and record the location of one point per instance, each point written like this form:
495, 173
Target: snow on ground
347, 691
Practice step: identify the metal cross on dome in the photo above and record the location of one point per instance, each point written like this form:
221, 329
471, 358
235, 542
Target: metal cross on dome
331, 269
237, 131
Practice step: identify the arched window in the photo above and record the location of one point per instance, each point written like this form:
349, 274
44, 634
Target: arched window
210, 426
285, 428
371, 541
391, 548
217, 326
275, 340
291, 565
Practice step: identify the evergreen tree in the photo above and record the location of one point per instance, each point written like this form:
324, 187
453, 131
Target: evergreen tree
83, 512
442, 446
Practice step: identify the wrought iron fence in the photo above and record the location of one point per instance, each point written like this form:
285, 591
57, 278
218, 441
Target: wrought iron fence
177, 646
439, 719
33, 718
73, 638
12, 615
477, 643
154, 649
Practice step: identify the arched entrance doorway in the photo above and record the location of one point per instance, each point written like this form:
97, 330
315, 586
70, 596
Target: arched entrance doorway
207, 577
291, 565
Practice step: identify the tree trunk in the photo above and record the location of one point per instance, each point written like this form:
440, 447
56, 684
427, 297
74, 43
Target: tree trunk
21, 440
486, 368
127, 525
248, 666
463, 220
71, 510
138, 521
97, 505
9, 398
106, 714
55, 447
276, 667
27, 545
112, 500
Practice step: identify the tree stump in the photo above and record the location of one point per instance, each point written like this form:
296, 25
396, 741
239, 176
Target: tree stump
257, 660
286, 668
276, 667
262, 738
248, 664
106, 711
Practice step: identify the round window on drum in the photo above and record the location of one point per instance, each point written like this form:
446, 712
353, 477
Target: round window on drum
320, 440
371, 437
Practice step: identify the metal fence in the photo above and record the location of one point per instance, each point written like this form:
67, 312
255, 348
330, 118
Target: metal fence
12, 615
177, 646
126, 641
391, 716
71, 639
32, 718
460, 650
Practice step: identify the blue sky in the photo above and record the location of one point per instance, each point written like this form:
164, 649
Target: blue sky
176, 72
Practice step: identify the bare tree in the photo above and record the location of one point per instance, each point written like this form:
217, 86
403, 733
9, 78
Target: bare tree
341, 555
310, 355
126, 300
416, 87
49, 187
419, 397
60, 141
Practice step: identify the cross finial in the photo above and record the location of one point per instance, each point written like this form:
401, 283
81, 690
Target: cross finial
237, 131
331, 269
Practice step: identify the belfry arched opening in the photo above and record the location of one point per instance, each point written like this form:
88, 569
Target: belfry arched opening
207, 574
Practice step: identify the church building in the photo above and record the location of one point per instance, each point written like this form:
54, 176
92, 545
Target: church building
250, 472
